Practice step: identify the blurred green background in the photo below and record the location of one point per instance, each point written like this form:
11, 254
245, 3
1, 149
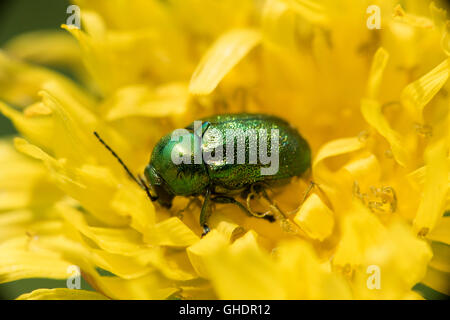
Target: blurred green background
18, 16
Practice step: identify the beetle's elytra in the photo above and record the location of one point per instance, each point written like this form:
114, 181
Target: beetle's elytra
220, 181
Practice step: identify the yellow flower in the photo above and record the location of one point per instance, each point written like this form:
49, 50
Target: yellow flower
372, 103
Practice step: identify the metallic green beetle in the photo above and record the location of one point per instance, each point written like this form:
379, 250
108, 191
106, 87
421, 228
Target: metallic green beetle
221, 179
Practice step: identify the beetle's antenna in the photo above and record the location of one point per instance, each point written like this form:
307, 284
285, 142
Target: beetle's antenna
118, 159
139, 180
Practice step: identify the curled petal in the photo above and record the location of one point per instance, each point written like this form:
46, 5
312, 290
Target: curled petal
224, 54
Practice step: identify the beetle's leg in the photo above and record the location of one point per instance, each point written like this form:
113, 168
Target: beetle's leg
244, 194
225, 199
205, 213
308, 190
251, 192
263, 193
191, 201
305, 195
249, 207
286, 223
271, 203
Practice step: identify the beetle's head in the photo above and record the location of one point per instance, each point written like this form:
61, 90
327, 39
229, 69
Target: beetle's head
158, 185
169, 177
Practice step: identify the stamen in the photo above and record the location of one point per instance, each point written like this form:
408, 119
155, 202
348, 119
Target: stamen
363, 136
423, 130
378, 200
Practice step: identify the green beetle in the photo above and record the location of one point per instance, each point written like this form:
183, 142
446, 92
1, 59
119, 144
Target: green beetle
212, 152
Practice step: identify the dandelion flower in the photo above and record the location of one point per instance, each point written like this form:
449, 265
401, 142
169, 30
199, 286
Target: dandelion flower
372, 103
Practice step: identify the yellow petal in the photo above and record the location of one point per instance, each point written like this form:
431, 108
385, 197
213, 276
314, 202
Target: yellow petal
411, 19
441, 232
315, 218
37, 109
142, 263
337, 147
154, 58
94, 24
437, 280
148, 287
125, 267
372, 113
137, 206
18, 264
37, 129
438, 15
79, 183
115, 240
77, 103
44, 227
365, 170
394, 251
69, 140
360, 230
441, 257
170, 232
224, 54
19, 178
136, 270
417, 94
140, 101
323, 175
376, 72
211, 18
21, 83
61, 294
225, 226
199, 290
33, 46
431, 206
309, 10
198, 252
244, 271
305, 277
272, 14
440, 21
27, 221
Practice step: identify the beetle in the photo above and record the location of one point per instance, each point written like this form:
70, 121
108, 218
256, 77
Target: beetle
219, 181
